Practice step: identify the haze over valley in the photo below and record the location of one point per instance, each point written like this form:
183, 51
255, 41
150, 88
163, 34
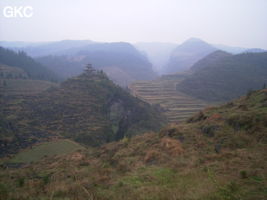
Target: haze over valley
133, 100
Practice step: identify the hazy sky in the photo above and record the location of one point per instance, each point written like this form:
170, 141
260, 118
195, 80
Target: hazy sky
231, 22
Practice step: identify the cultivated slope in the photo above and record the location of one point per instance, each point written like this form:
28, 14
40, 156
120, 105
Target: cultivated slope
177, 106
15, 88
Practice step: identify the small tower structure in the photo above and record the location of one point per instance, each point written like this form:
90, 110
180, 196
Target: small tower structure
89, 70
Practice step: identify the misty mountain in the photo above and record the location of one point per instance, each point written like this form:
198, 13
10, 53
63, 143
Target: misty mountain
187, 54
55, 48
119, 56
210, 61
121, 61
158, 53
230, 49
21, 60
20, 44
221, 76
238, 50
255, 50
63, 66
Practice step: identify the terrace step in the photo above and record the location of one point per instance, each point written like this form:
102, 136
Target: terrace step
177, 105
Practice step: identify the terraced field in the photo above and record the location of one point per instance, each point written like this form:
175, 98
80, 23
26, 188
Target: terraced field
14, 91
16, 87
177, 106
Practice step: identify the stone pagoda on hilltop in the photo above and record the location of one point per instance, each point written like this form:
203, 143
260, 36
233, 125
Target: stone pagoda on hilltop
92, 72
89, 70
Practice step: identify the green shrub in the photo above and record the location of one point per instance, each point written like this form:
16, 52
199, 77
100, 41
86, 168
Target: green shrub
243, 174
239, 122
209, 130
229, 192
3, 191
21, 181
46, 179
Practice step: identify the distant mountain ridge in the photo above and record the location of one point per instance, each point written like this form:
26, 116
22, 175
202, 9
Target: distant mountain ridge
63, 66
121, 61
221, 76
54, 48
187, 54
254, 50
238, 50
210, 60
168, 58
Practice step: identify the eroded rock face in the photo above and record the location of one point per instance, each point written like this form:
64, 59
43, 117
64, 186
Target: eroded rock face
122, 117
116, 111
118, 118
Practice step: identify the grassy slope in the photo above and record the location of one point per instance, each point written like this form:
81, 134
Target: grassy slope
13, 92
47, 149
217, 154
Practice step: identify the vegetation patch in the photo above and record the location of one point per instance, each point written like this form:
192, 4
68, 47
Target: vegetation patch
47, 149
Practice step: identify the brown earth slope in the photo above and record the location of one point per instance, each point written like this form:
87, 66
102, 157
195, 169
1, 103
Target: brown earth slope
218, 154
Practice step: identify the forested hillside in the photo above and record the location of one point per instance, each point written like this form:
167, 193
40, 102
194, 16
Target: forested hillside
221, 76
33, 69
